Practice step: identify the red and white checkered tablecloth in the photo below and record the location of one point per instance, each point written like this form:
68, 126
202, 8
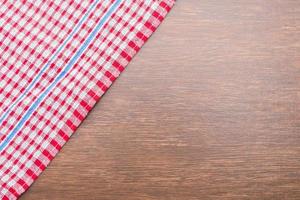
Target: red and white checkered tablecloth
57, 58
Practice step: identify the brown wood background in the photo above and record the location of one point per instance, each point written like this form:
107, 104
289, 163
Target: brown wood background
209, 109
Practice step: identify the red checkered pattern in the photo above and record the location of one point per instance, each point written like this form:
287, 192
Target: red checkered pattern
35, 34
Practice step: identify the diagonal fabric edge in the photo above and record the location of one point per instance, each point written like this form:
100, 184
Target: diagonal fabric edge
15, 183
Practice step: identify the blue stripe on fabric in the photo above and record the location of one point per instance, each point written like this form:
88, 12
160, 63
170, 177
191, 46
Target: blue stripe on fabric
49, 62
60, 76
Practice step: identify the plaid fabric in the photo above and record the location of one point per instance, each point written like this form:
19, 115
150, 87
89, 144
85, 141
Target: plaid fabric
57, 59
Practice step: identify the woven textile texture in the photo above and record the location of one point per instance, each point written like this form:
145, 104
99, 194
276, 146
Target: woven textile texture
57, 58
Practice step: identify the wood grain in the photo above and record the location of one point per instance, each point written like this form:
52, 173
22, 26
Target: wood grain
209, 109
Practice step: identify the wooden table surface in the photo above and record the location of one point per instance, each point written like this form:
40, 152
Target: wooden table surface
209, 109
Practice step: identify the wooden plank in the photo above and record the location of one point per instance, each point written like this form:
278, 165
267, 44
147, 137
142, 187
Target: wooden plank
209, 109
